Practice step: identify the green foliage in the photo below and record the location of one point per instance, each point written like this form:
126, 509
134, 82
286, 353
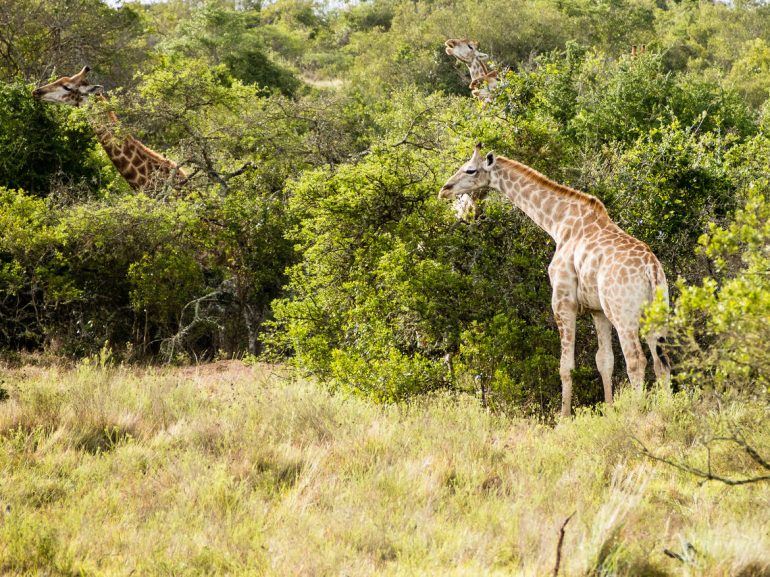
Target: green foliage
45, 37
123, 271
32, 268
40, 144
388, 280
316, 138
750, 72
511, 362
719, 328
233, 39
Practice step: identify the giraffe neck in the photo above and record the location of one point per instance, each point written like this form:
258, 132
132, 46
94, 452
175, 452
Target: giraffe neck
104, 124
134, 161
558, 210
478, 68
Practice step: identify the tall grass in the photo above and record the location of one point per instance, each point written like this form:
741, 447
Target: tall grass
234, 470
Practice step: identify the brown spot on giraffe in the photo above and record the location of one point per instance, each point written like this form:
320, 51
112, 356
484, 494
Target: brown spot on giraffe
596, 267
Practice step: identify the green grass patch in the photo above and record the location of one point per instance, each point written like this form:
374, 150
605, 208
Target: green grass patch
234, 470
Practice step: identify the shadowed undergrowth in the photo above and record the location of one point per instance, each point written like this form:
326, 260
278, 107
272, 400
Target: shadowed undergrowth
228, 469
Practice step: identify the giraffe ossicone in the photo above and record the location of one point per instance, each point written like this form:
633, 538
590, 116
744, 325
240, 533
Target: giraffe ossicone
597, 267
142, 167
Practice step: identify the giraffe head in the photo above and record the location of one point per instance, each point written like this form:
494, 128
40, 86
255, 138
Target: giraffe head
464, 50
72, 90
472, 178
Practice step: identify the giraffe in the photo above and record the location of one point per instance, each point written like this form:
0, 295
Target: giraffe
142, 167
467, 51
596, 267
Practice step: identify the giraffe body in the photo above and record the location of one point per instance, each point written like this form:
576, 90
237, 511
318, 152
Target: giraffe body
142, 167
596, 268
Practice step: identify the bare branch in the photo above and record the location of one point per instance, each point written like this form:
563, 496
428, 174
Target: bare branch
249, 165
708, 474
560, 544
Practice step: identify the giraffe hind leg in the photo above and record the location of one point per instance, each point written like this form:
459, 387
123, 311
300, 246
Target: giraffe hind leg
660, 360
636, 362
605, 360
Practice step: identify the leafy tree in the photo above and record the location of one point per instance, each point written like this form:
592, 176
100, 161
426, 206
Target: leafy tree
33, 270
388, 281
231, 38
43, 38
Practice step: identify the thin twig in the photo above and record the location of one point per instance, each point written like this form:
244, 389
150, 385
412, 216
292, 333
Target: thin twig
709, 475
560, 544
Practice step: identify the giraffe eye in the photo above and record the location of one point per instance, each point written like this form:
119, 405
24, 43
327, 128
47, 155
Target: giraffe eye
471, 171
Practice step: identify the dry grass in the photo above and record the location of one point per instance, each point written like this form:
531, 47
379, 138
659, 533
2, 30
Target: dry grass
234, 470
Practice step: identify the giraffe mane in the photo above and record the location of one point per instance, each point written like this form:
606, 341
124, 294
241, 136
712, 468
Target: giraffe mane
543, 180
151, 153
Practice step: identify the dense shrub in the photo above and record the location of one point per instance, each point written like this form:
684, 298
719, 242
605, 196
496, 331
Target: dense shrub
42, 144
719, 328
389, 281
136, 272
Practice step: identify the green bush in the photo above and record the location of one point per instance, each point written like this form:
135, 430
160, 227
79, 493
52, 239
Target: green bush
719, 328
389, 281
40, 143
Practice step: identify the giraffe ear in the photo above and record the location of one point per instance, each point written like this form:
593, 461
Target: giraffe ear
489, 160
96, 89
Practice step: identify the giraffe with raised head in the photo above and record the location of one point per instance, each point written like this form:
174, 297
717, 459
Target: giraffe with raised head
597, 267
142, 167
467, 51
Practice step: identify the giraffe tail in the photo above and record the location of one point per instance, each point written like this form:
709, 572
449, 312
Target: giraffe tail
657, 341
661, 354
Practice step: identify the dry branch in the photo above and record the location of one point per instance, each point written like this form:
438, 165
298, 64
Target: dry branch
560, 544
708, 474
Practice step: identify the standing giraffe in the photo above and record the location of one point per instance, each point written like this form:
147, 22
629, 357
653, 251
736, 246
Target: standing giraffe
467, 51
141, 167
596, 267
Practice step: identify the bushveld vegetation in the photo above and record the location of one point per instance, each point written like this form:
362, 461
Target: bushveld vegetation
316, 137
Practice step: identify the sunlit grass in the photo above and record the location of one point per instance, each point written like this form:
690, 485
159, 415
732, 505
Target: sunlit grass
228, 469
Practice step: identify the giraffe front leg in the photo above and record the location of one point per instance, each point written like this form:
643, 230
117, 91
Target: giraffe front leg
565, 311
605, 360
